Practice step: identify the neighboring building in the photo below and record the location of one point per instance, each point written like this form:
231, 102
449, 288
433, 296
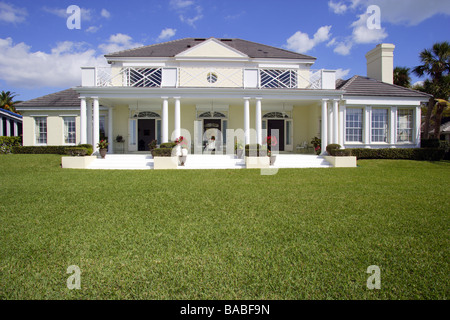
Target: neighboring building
206, 86
10, 124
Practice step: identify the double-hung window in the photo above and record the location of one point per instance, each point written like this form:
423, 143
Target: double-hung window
40, 130
404, 125
380, 122
70, 134
354, 125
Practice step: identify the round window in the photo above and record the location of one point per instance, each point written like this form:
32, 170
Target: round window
211, 77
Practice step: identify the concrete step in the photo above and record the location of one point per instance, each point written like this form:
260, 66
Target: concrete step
194, 161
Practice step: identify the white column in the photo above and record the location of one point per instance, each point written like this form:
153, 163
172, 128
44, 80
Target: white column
247, 120
110, 131
8, 127
83, 127
324, 126
330, 123
1, 126
95, 124
177, 117
165, 120
335, 121
258, 121
417, 117
367, 120
89, 122
341, 125
16, 129
393, 126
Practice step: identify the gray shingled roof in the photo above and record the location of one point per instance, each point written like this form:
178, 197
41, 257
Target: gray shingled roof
172, 48
65, 98
364, 86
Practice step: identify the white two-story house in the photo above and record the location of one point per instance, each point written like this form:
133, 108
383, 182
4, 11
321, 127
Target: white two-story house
232, 89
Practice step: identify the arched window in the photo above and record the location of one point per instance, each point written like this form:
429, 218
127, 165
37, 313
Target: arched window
280, 115
212, 114
147, 114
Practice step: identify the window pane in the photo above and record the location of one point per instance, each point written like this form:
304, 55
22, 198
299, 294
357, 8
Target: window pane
41, 130
69, 130
404, 125
288, 132
379, 125
353, 125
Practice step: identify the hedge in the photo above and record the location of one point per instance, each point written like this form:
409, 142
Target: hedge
77, 151
10, 141
167, 145
429, 154
332, 147
50, 149
255, 150
340, 152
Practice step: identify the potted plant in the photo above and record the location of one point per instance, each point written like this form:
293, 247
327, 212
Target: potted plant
316, 142
182, 151
271, 142
103, 146
239, 148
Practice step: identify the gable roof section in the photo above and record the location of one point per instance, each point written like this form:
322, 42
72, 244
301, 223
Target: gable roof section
10, 113
175, 47
364, 86
65, 98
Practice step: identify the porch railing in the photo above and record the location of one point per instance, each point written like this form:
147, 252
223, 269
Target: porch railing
154, 77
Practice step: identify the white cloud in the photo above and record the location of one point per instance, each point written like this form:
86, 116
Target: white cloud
93, 29
180, 4
12, 14
343, 47
21, 67
409, 12
166, 34
118, 42
191, 21
342, 73
86, 14
362, 34
337, 7
300, 42
105, 14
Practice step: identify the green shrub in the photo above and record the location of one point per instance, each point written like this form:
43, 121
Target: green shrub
167, 145
429, 154
152, 145
10, 141
331, 147
341, 152
77, 151
162, 152
89, 148
50, 149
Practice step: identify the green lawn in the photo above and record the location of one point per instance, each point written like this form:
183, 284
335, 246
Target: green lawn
224, 234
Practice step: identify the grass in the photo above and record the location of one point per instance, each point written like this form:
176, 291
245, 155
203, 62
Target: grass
224, 234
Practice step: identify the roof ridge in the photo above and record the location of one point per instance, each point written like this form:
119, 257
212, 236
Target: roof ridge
147, 46
349, 81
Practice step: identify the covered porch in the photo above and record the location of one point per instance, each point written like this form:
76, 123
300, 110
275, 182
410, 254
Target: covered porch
232, 117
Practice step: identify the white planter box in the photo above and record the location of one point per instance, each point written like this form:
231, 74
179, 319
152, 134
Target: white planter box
257, 162
77, 162
165, 163
342, 162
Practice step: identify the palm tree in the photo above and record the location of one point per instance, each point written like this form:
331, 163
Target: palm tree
401, 77
6, 100
436, 65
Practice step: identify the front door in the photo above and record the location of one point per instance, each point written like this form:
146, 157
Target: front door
277, 125
212, 127
146, 133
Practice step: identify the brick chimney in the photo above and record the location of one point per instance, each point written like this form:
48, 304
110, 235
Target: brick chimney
380, 63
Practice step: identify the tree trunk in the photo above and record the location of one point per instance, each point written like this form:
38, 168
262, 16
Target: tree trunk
439, 111
426, 128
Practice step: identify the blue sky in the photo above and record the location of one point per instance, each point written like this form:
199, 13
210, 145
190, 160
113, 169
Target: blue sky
40, 55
